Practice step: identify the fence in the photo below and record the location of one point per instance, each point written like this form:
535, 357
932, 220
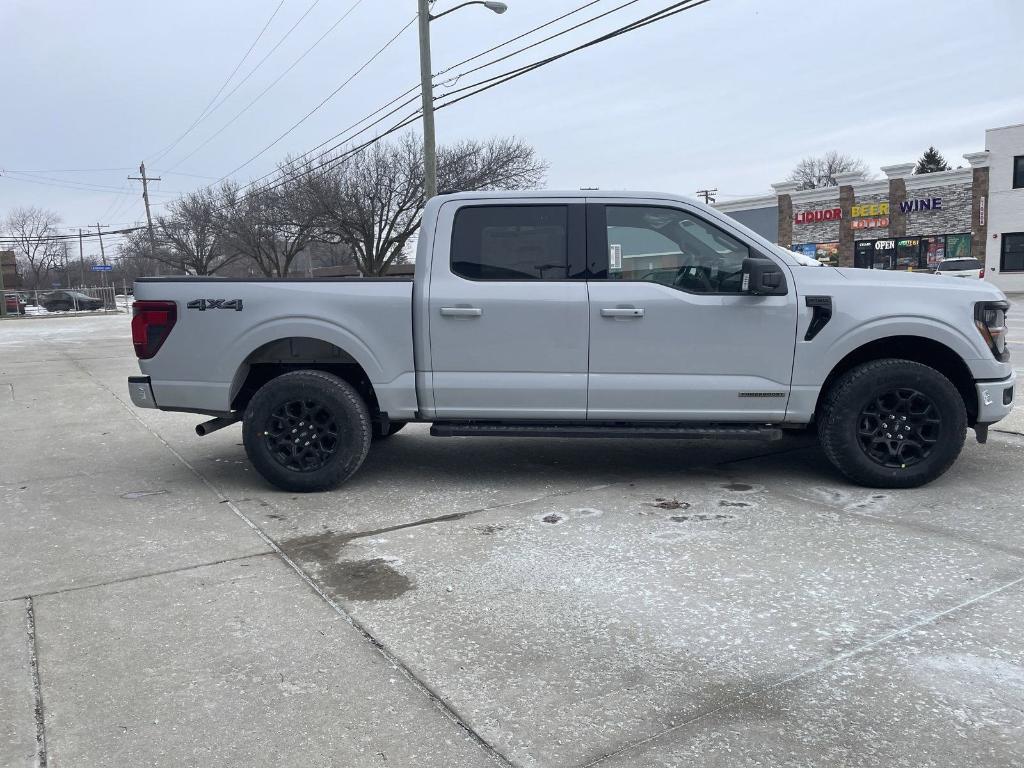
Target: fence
65, 301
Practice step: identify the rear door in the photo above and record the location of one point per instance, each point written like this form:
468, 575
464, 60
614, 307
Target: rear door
507, 310
673, 336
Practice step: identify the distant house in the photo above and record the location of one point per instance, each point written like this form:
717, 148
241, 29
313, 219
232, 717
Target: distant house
9, 267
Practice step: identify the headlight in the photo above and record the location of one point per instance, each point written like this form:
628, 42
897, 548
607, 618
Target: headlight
990, 318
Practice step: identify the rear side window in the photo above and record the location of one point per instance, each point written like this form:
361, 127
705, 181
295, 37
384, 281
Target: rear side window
952, 265
511, 242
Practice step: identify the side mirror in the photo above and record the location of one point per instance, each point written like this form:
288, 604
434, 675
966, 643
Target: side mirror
763, 277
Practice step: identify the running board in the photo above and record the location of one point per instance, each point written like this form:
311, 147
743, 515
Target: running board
663, 431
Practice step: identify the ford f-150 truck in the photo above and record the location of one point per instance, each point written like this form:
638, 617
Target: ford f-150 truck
582, 314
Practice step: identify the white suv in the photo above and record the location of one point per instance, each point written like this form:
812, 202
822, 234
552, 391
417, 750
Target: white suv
969, 268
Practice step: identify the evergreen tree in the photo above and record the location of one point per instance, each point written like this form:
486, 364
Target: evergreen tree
931, 161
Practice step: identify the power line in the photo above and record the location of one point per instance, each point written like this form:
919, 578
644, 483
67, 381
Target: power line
223, 85
330, 96
272, 84
492, 82
517, 37
496, 80
416, 86
540, 42
8, 239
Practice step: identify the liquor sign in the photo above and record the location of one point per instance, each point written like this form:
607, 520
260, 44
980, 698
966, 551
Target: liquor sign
814, 217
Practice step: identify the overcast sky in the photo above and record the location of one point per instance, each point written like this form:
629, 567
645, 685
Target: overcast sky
728, 95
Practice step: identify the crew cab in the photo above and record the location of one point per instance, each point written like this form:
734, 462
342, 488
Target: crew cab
584, 314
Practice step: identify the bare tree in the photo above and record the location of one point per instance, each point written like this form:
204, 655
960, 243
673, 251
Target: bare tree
31, 229
815, 172
191, 239
372, 201
270, 225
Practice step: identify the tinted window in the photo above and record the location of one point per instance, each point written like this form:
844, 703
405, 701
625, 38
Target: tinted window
955, 264
1018, 171
1013, 252
511, 242
674, 248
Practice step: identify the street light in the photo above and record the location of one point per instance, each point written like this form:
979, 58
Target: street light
427, 86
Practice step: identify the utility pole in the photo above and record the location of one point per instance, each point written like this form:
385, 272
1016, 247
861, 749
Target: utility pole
81, 257
708, 195
427, 85
3, 296
103, 256
67, 275
149, 217
427, 88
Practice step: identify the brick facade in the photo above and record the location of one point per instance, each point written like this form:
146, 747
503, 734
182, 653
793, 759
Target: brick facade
897, 196
846, 200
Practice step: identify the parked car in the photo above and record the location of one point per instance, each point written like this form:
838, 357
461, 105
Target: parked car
64, 301
529, 315
969, 268
14, 303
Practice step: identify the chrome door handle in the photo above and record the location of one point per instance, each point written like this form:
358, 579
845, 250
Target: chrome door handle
461, 311
622, 312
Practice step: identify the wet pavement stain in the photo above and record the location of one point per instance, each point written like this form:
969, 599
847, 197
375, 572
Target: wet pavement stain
737, 487
669, 504
553, 518
700, 517
490, 529
141, 494
372, 579
727, 503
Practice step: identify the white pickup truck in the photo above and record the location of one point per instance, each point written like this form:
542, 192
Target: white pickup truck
582, 314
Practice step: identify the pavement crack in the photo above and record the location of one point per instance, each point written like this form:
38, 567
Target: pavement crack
447, 709
821, 666
139, 576
37, 689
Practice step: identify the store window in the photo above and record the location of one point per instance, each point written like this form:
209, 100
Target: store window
908, 254
958, 246
935, 250
884, 254
1018, 172
1012, 256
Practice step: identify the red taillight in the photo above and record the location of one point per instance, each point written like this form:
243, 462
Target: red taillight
152, 322
982, 273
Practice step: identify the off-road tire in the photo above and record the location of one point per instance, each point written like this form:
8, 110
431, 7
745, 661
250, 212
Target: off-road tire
340, 443
843, 417
393, 427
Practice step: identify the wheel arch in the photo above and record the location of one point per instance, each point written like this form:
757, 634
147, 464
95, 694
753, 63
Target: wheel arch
918, 349
290, 353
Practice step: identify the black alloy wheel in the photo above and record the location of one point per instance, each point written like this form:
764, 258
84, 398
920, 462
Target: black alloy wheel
306, 430
302, 435
892, 423
899, 428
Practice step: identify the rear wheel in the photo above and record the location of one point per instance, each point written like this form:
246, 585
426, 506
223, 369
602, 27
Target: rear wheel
892, 424
306, 431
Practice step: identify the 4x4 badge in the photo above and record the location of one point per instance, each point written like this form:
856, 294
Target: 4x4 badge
204, 304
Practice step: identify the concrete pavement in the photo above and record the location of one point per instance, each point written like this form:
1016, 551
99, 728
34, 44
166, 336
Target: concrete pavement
470, 602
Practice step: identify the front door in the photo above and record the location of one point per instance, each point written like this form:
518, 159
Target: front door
673, 337
507, 311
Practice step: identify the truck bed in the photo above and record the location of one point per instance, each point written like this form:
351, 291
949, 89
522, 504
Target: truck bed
222, 323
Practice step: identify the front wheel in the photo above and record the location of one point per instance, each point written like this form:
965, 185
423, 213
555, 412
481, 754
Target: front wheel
892, 424
306, 431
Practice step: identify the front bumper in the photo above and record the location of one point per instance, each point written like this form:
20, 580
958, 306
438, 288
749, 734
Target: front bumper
141, 392
995, 399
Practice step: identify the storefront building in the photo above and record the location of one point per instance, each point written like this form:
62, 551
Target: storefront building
905, 221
